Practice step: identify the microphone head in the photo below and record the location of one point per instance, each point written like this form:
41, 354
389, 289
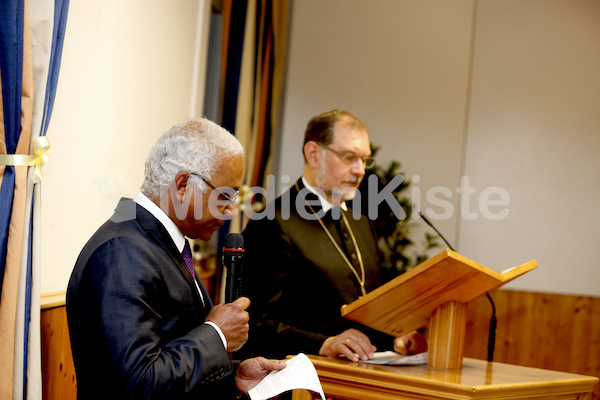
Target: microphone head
234, 241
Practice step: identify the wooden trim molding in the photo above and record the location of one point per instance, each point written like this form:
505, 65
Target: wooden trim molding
53, 299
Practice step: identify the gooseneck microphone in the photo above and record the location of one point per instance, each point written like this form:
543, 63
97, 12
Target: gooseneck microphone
436, 231
233, 260
493, 320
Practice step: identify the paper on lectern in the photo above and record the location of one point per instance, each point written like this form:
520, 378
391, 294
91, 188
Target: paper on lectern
393, 358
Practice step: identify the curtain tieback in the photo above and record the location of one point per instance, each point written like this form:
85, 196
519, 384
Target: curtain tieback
37, 159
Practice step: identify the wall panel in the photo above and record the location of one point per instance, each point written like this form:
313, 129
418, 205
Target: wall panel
58, 372
542, 330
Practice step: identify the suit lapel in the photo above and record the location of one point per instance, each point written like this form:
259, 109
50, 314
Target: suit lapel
159, 233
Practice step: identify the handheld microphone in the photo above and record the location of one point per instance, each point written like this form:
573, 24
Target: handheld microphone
493, 320
233, 260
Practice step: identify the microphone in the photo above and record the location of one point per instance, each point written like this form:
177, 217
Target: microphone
493, 320
436, 231
233, 260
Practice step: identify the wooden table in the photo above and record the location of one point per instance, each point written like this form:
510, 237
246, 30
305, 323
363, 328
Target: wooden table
477, 379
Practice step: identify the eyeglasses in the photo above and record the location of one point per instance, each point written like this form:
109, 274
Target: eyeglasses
350, 158
223, 195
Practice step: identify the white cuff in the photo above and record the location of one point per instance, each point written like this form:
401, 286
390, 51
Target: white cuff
219, 332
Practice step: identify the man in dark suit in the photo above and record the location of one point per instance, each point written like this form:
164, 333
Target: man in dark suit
317, 254
141, 323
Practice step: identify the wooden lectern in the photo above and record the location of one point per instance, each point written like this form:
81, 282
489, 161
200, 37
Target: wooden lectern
476, 380
436, 292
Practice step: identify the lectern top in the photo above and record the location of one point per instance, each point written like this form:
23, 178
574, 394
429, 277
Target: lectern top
406, 302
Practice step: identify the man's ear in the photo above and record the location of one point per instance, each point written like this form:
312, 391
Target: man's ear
180, 183
313, 154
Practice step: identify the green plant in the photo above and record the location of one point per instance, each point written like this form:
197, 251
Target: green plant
399, 252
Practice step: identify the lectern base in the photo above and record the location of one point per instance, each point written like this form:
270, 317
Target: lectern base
447, 335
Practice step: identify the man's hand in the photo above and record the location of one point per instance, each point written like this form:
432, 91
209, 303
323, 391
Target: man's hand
251, 371
412, 343
232, 319
353, 344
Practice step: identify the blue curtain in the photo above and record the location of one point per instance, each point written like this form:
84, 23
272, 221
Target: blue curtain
11, 69
248, 35
21, 376
233, 63
61, 8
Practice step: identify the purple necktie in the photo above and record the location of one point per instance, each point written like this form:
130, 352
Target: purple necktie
187, 257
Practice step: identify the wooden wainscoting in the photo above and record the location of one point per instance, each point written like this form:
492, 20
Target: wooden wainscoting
58, 371
541, 330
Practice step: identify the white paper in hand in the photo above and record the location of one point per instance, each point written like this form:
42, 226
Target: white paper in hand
300, 373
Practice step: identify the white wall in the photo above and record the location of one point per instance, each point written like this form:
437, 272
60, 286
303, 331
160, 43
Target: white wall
534, 130
399, 65
503, 92
127, 75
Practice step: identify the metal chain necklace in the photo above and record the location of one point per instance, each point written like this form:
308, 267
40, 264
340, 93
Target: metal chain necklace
360, 279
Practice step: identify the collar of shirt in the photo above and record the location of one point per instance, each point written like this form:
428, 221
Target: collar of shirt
325, 204
164, 219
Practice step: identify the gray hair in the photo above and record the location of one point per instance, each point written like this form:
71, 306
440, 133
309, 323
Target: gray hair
196, 145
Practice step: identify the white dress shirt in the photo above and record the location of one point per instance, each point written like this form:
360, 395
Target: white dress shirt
178, 239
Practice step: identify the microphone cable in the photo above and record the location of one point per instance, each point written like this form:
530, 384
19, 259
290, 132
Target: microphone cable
493, 320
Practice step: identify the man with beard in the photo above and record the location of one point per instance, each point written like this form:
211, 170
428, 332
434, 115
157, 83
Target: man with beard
316, 254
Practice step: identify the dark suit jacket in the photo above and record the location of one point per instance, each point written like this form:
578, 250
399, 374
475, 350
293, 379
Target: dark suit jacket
297, 281
136, 319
